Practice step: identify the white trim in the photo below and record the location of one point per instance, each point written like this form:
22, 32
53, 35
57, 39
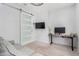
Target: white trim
27, 42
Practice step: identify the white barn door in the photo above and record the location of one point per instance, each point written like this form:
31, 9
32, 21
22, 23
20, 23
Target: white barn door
26, 28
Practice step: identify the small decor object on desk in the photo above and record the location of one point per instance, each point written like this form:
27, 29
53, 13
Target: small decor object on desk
73, 34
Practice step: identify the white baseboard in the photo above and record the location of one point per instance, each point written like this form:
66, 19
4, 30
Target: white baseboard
27, 42
43, 41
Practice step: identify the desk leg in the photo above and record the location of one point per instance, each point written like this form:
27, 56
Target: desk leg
72, 44
51, 40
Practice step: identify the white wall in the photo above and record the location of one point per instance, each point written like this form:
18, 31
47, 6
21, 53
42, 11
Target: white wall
9, 23
77, 21
64, 17
41, 15
52, 17
60, 17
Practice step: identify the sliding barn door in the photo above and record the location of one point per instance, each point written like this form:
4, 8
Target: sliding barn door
26, 28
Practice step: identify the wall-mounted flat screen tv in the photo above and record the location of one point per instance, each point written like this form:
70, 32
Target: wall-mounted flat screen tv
59, 30
40, 25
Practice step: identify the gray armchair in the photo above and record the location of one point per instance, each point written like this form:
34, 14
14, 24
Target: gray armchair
7, 49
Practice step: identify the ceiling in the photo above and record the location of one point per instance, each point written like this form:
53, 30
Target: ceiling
58, 5
46, 5
44, 9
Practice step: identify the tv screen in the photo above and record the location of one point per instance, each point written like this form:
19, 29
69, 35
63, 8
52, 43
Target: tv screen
40, 25
59, 30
